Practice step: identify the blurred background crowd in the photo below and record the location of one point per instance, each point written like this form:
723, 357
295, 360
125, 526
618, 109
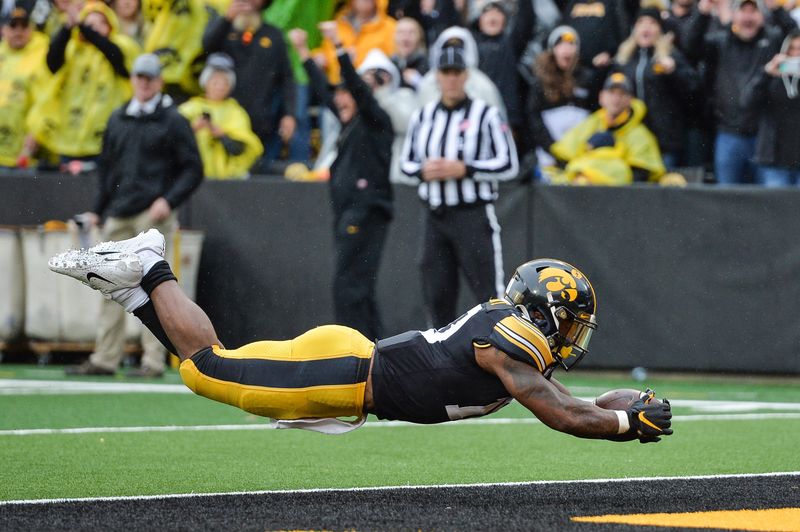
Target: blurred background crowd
595, 91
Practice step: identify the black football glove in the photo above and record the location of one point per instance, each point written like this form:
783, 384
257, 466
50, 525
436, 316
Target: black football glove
649, 419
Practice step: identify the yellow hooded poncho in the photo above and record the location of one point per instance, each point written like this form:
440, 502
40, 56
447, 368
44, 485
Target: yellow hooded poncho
175, 35
22, 72
70, 117
235, 122
635, 146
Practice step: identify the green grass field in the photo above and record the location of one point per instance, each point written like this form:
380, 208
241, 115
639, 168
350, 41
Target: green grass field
722, 425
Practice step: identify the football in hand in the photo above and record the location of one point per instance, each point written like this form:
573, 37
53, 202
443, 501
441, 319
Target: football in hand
620, 399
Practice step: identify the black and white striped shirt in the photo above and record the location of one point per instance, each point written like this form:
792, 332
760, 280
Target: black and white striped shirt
472, 132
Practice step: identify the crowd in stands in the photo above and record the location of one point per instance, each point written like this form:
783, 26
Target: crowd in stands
595, 91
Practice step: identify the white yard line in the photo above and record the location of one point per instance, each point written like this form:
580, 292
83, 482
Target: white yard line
39, 387
44, 387
404, 487
371, 425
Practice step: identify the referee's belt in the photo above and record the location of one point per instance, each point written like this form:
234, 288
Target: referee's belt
441, 210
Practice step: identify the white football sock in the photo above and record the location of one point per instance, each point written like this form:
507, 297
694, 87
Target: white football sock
130, 298
149, 259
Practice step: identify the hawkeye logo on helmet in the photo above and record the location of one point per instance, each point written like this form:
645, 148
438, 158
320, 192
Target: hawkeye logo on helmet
561, 282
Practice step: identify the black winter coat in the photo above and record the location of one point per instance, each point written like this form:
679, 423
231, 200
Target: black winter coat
360, 173
499, 55
731, 64
263, 72
601, 25
666, 95
145, 158
778, 143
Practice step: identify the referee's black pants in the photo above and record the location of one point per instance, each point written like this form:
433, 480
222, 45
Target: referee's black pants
465, 238
359, 234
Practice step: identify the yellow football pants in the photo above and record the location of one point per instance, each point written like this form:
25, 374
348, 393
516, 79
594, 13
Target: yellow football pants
320, 374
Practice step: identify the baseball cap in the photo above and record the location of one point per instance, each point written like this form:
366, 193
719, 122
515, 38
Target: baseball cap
618, 80
220, 61
654, 13
452, 58
147, 65
737, 4
563, 33
495, 4
17, 13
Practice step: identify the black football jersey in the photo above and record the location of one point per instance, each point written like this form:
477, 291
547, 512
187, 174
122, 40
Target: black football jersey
432, 376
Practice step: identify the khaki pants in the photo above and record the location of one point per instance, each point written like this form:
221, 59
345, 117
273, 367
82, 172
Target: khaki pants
110, 342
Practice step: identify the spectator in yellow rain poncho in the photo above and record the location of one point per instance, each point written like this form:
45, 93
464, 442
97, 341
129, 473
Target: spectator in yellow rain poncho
175, 35
612, 146
22, 70
90, 61
227, 143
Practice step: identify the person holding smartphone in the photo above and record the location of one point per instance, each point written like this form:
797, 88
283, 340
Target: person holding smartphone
775, 96
227, 143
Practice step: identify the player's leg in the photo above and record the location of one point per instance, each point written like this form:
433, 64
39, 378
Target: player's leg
320, 374
178, 318
130, 272
154, 354
109, 345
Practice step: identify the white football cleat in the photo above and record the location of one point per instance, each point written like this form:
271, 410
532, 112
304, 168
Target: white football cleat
115, 275
151, 240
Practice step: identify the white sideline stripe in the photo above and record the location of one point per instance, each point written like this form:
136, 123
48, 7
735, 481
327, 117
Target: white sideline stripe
40, 387
36, 387
373, 425
403, 487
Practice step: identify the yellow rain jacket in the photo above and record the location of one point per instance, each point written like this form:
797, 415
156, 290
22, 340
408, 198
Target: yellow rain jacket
22, 72
175, 35
70, 116
377, 33
635, 146
234, 121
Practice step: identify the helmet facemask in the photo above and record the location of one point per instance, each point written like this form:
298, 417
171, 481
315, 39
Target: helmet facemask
571, 342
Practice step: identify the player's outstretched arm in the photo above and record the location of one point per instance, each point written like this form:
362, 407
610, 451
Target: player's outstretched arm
645, 419
554, 408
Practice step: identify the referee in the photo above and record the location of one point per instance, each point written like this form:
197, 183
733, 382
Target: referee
459, 148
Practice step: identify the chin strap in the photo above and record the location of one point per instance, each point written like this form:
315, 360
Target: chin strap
524, 312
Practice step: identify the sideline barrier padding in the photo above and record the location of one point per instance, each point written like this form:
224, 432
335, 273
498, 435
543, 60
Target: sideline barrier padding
57, 308
698, 278
12, 285
187, 249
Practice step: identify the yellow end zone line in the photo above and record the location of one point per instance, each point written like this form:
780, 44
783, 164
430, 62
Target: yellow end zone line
405, 487
766, 520
372, 424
